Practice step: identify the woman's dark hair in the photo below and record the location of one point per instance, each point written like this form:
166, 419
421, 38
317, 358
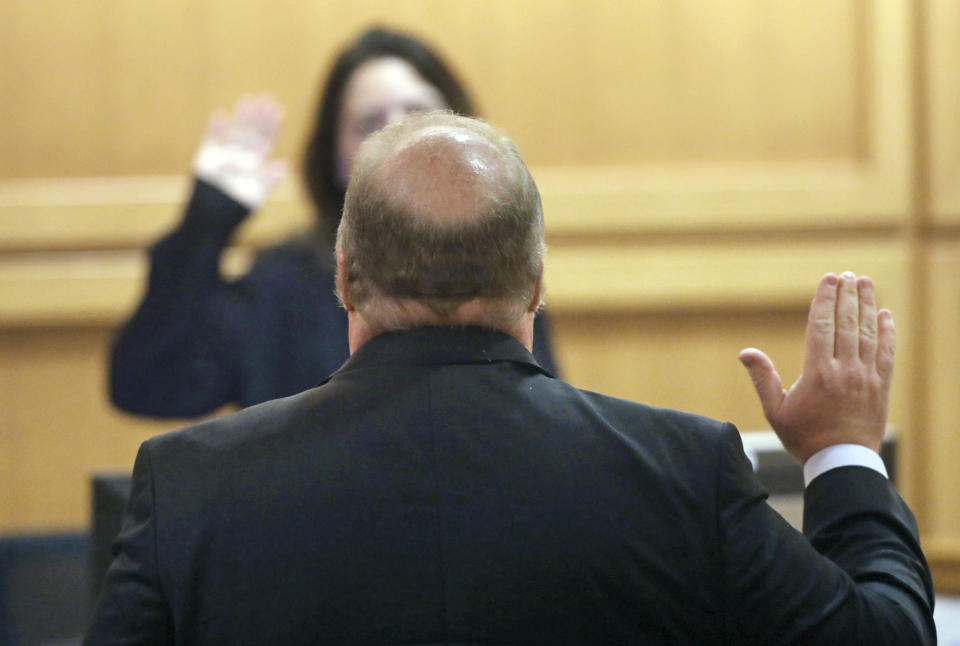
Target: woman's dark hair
320, 157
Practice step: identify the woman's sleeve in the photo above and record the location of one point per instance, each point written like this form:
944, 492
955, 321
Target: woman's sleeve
175, 357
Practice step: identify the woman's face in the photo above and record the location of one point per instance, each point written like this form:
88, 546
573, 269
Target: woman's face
379, 92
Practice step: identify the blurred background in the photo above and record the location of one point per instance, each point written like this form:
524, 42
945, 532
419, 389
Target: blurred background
702, 164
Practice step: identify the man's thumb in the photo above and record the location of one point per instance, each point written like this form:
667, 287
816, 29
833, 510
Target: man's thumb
765, 379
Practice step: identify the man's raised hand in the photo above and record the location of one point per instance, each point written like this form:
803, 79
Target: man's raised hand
235, 153
842, 395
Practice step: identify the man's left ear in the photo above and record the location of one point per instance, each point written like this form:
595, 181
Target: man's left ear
537, 299
341, 280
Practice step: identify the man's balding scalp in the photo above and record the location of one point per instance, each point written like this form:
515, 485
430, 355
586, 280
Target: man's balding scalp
441, 210
444, 174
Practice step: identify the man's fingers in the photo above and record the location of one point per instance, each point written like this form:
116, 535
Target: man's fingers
848, 318
886, 344
868, 321
821, 324
765, 379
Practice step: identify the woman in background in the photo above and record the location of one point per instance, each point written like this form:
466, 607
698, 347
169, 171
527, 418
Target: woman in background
197, 342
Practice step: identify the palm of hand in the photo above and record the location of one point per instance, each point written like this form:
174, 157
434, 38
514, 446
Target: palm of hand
842, 395
235, 153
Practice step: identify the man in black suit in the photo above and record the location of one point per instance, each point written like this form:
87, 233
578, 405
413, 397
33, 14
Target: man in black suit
441, 488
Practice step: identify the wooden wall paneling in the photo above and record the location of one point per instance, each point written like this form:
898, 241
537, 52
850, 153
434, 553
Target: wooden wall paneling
53, 85
767, 271
941, 378
9, 452
80, 288
685, 359
941, 31
675, 82
943, 555
121, 213
939, 294
791, 114
58, 427
99, 287
865, 187
67, 289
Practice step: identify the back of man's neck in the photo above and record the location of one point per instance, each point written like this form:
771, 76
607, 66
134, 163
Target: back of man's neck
472, 313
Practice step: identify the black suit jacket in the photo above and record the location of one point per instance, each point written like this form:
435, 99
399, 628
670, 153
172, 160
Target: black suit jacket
441, 488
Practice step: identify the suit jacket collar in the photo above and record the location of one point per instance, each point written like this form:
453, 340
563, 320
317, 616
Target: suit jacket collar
438, 345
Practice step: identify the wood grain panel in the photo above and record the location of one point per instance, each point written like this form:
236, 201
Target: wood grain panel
683, 360
58, 427
943, 555
668, 114
679, 81
120, 212
101, 287
671, 80
941, 379
81, 288
773, 272
942, 49
69, 290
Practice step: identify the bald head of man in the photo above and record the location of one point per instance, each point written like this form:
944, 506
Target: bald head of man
442, 225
